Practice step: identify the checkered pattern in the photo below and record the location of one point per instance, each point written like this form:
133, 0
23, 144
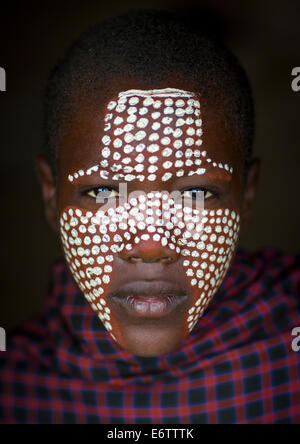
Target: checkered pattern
237, 366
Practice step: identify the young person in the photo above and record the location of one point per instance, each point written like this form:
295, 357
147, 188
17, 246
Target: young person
149, 179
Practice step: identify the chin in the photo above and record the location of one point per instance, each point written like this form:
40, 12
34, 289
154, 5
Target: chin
151, 344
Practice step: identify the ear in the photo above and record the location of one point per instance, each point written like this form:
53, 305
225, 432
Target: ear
252, 180
48, 187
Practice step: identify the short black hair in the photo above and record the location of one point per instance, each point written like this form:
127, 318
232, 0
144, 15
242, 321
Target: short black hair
150, 44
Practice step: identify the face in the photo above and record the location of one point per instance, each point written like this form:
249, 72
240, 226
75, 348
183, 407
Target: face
149, 202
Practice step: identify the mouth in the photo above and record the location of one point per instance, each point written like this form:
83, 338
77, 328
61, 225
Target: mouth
149, 299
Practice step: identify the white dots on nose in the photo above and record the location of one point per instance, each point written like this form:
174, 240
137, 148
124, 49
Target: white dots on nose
207, 263
139, 123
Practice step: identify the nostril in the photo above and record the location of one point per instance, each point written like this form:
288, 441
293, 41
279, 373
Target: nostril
150, 251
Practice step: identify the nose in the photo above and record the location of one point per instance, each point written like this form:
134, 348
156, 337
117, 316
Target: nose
149, 251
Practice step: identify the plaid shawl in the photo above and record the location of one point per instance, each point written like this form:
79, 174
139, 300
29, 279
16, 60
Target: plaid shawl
237, 365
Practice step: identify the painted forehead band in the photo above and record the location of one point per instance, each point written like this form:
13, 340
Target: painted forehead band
152, 127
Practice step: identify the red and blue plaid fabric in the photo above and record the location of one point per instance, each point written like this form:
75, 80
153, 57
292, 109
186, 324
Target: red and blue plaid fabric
237, 366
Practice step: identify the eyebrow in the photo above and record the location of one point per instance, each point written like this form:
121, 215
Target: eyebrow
220, 170
91, 168
86, 169
217, 174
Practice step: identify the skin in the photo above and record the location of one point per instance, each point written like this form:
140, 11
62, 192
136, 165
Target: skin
79, 147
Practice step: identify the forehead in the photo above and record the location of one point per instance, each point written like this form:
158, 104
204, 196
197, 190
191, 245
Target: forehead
148, 135
153, 118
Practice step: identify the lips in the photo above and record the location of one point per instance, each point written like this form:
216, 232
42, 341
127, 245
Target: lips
149, 298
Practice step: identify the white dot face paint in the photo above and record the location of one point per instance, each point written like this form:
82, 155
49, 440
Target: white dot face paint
150, 136
147, 126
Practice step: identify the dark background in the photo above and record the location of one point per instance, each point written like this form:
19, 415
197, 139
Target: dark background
264, 34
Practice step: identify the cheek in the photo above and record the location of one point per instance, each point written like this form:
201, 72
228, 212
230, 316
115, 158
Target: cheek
208, 253
205, 239
90, 257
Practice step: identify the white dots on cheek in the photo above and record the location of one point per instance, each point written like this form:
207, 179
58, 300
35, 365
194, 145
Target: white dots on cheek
88, 253
160, 128
216, 250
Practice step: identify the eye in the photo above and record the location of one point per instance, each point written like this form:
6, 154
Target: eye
108, 192
191, 193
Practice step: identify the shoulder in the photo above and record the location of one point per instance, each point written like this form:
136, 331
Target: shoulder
261, 290
28, 346
269, 267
